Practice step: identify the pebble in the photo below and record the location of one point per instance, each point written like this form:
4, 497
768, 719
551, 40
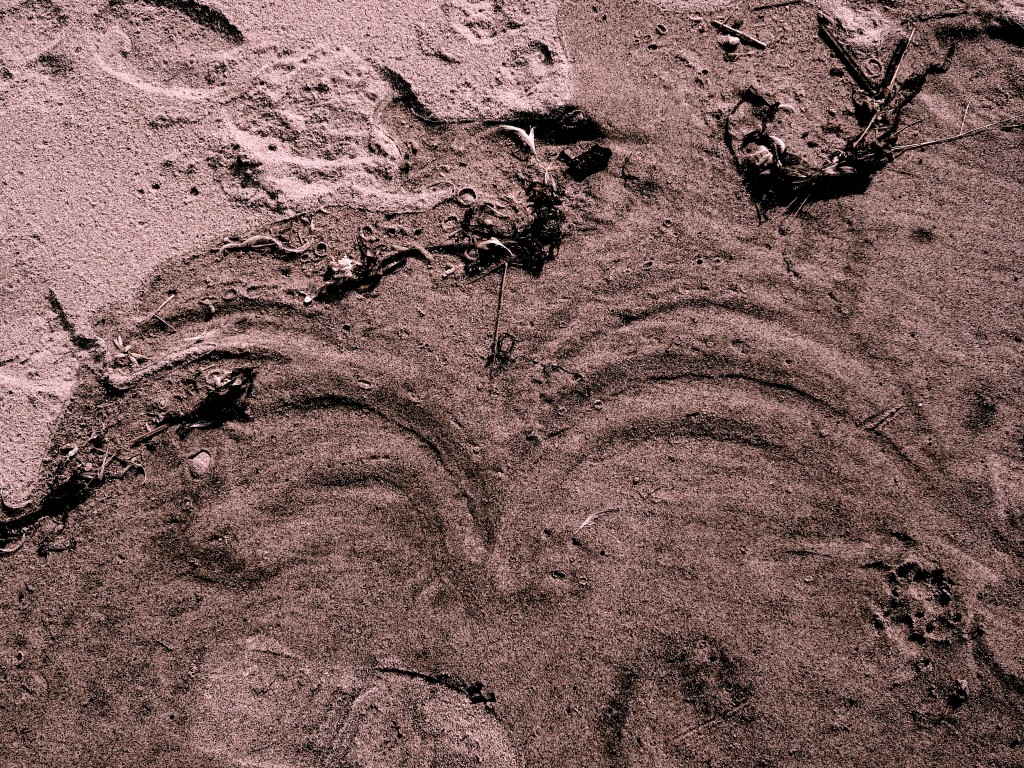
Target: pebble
199, 464
729, 42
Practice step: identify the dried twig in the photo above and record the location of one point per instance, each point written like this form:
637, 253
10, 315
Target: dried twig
1005, 123
876, 421
783, 4
156, 315
711, 722
497, 316
738, 33
103, 466
152, 433
893, 70
825, 25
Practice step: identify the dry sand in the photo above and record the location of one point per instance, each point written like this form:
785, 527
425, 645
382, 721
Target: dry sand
742, 493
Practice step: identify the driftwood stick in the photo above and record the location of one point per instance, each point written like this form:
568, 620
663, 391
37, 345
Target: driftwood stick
825, 30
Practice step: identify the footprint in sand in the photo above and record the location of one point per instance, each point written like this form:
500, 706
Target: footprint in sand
39, 25
306, 126
512, 45
475, 20
261, 704
175, 48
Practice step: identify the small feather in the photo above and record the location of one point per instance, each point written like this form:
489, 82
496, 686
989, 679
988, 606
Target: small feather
593, 517
528, 138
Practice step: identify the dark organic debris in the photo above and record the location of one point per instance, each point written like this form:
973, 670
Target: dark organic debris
958, 694
476, 692
79, 471
593, 160
482, 239
225, 400
363, 272
565, 125
777, 177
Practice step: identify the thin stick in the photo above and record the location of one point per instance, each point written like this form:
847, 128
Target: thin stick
871, 122
775, 5
981, 129
497, 314
825, 30
897, 60
944, 14
963, 120
487, 272
152, 433
802, 204
156, 315
737, 33
901, 129
103, 465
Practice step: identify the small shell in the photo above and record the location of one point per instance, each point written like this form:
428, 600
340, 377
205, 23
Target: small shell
780, 145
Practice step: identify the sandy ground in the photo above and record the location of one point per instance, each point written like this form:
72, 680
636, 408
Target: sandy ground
796, 443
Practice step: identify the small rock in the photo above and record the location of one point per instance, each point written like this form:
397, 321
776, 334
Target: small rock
199, 464
729, 42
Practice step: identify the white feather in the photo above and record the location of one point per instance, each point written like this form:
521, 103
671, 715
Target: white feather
593, 517
528, 138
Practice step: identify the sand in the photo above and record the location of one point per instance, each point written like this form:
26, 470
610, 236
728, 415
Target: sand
743, 491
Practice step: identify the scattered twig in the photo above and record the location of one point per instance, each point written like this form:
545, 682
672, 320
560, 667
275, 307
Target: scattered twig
944, 14
156, 315
152, 433
963, 120
738, 33
893, 70
868, 127
878, 420
487, 272
783, 4
1005, 123
711, 722
103, 466
825, 25
497, 316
